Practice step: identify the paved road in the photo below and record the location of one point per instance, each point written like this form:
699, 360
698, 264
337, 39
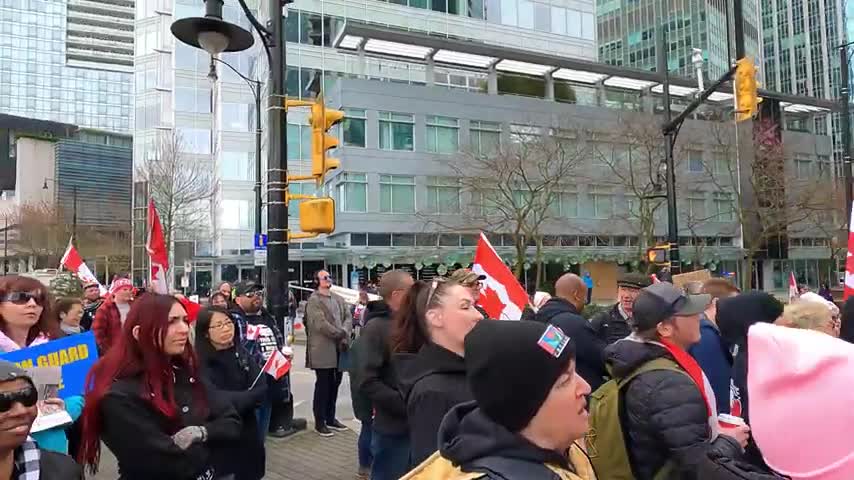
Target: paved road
305, 456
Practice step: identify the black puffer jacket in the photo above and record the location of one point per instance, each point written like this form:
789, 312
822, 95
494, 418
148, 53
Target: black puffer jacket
664, 416
55, 466
376, 378
589, 357
610, 325
468, 438
432, 382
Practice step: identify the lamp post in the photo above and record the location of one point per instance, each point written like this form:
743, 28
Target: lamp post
73, 208
255, 86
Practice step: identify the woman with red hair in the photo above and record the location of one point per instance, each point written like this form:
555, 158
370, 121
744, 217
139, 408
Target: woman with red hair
146, 402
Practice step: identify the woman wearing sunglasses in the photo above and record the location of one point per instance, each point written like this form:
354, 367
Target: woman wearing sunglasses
229, 369
26, 320
145, 401
427, 341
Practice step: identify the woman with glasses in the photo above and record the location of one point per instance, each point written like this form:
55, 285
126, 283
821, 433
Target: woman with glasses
146, 403
427, 342
229, 369
27, 319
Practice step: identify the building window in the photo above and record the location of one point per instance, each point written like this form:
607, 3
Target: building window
485, 137
721, 166
354, 127
803, 167
724, 208
568, 204
695, 161
396, 131
192, 100
599, 205
236, 214
194, 140
235, 117
443, 134
353, 192
397, 194
443, 195
237, 166
696, 208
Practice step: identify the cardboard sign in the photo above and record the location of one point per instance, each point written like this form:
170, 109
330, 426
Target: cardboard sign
685, 278
75, 355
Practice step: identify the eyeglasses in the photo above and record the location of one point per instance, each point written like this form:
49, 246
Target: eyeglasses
328, 278
221, 326
23, 298
26, 397
256, 293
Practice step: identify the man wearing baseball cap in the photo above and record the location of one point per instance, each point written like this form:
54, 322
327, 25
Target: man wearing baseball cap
520, 426
470, 280
668, 412
20, 457
615, 323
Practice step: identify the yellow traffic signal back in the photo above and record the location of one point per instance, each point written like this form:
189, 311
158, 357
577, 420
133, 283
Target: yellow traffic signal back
657, 255
317, 215
746, 89
322, 119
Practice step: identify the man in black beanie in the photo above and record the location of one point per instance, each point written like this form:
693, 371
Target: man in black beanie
530, 406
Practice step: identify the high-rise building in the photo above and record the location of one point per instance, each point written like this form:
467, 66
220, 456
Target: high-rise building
68, 61
627, 32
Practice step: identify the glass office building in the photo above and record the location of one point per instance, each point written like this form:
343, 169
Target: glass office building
68, 61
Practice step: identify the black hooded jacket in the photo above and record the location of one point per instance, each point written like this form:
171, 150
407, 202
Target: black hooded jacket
663, 415
432, 382
610, 325
589, 358
376, 378
468, 437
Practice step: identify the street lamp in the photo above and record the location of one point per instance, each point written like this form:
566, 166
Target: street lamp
74, 207
845, 93
211, 33
255, 86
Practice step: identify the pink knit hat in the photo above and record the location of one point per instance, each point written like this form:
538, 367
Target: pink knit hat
801, 412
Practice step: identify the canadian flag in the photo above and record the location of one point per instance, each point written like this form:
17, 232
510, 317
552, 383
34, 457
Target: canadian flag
277, 365
72, 262
793, 284
253, 332
849, 262
501, 296
654, 278
157, 252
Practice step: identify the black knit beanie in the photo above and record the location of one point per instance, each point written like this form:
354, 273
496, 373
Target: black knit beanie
736, 314
513, 365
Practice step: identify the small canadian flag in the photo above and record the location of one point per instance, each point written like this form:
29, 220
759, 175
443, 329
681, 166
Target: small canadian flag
277, 365
253, 332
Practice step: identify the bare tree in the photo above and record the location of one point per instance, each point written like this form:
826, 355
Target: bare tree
516, 186
41, 232
182, 185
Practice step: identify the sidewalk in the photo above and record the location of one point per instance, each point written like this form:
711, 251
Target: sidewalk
304, 456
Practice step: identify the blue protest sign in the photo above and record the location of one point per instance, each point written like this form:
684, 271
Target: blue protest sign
75, 354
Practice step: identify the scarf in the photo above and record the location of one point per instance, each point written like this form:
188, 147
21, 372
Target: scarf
692, 368
68, 329
27, 461
8, 345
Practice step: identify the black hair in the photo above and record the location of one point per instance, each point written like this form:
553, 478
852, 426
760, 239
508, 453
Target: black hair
203, 346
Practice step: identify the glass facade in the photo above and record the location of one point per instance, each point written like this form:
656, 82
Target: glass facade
36, 81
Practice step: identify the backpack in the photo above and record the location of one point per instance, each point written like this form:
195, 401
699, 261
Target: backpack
606, 444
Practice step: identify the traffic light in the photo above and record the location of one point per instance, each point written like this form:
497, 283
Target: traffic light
658, 255
322, 119
317, 215
746, 96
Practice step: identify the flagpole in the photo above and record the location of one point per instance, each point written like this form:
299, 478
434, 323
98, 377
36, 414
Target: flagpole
256, 378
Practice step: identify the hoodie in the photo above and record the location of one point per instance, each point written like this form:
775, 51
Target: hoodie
589, 358
375, 376
467, 437
713, 355
432, 382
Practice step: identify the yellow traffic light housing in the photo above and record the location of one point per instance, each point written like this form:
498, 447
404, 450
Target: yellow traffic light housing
746, 90
317, 215
658, 255
322, 119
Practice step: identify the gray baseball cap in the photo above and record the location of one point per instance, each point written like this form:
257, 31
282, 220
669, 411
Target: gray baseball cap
660, 301
9, 372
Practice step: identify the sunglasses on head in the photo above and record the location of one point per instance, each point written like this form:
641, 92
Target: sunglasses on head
26, 397
259, 293
22, 298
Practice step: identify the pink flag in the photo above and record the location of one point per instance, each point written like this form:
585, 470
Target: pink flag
72, 262
502, 297
277, 365
849, 262
157, 251
793, 287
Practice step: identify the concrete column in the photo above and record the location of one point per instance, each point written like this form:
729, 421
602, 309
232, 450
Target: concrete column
550, 86
492, 82
428, 72
363, 64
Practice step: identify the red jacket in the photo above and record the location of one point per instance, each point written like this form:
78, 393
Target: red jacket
107, 325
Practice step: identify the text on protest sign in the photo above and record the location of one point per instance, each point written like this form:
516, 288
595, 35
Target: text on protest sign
74, 354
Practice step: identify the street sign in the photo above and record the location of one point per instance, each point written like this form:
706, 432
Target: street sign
260, 242
188, 266
260, 258
185, 281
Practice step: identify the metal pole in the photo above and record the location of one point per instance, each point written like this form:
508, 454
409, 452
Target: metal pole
258, 270
669, 140
738, 27
6, 245
846, 130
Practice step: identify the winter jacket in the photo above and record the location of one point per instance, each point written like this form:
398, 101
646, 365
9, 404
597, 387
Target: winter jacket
362, 408
326, 336
259, 349
107, 325
376, 378
88, 317
469, 439
589, 357
663, 415
140, 436
716, 467
432, 382
52, 466
610, 325
230, 373
712, 353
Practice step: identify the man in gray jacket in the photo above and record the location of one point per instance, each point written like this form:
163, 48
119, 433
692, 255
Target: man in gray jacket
327, 327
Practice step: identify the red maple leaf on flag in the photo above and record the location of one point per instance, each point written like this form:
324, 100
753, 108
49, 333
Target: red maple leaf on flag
491, 303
